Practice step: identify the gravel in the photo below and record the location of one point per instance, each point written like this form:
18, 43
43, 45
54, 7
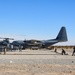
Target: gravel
38, 61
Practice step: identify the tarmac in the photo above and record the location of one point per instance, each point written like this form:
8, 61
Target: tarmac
37, 62
43, 56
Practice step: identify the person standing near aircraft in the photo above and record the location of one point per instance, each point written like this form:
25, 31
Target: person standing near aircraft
63, 52
73, 51
55, 50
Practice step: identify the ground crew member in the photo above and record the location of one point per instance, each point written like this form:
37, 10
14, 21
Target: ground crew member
55, 50
63, 52
73, 51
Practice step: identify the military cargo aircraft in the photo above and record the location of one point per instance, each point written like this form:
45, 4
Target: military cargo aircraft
35, 44
5, 43
61, 37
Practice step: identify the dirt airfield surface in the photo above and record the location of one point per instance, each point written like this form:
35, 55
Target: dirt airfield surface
37, 62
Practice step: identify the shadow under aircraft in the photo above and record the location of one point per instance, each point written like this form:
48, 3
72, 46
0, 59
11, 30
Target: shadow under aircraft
37, 44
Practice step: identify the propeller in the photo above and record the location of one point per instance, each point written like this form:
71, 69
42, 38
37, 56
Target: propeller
6, 38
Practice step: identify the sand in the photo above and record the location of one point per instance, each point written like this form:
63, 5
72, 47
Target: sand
44, 62
36, 69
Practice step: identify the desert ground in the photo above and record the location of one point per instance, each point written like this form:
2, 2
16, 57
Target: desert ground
37, 62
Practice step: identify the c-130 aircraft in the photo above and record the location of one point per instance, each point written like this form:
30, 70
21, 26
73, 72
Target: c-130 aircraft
61, 37
35, 44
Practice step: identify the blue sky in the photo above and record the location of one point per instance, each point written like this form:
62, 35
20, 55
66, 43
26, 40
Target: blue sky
36, 19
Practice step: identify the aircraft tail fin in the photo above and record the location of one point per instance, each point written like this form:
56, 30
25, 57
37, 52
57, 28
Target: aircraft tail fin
62, 36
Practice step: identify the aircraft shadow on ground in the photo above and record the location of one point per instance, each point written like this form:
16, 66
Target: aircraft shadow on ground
33, 54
